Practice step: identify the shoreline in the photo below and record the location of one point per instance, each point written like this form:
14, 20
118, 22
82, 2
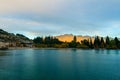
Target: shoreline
15, 48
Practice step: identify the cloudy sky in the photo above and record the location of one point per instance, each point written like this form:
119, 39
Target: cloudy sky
54, 17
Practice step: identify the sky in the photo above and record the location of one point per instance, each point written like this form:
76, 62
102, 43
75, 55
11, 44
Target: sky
55, 17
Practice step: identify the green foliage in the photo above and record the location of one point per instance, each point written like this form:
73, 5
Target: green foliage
117, 42
112, 45
46, 42
102, 43
74, 43
107, 40
97, 42
51, 40
85, 44
91, 44
63, 45
38, 40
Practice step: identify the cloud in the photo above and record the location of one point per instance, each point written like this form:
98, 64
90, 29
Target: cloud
32, 6
53, 17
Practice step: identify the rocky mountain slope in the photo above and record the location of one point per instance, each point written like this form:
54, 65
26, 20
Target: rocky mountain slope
10, 37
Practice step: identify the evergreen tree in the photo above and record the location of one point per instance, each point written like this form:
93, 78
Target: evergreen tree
56, 41
117, 42
102, 43
112, 44
75, 39
85, 42
47, 40
73, 43
91, 44
38, 40
107, 40
97, 42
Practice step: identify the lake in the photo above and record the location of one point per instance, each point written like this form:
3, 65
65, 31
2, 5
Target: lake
59, 64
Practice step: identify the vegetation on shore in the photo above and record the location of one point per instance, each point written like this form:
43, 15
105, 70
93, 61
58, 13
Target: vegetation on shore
99, 42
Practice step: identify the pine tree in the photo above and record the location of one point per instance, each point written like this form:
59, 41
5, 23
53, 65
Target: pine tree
47, 40
107, 40
73, 43
97, 42
102, 43
75, 39
91, 44
38, 40
117, 42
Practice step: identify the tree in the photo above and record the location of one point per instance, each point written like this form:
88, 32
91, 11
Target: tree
97, 42
117, 42
91, 44
85, 42
38, 40
112, 44
55, 41
107, 40
47, 40
73, 43
102, 43
75, 39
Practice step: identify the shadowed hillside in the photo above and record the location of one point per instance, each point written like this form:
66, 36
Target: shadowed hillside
10, 39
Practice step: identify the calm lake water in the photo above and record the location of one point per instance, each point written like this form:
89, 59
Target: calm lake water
59, 64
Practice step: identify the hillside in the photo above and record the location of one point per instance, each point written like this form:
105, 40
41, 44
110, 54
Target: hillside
10, 37
69, 38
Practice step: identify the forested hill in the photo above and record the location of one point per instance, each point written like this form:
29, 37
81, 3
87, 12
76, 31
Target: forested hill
10, 37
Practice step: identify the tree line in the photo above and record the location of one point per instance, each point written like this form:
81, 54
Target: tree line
99, 42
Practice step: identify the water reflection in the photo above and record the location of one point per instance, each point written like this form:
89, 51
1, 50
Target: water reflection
75, 63
3, 53
117, 52
97, 51
108, 52
60, 64
74, 50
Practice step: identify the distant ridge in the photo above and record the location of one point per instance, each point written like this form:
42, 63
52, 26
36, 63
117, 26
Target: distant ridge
69, 38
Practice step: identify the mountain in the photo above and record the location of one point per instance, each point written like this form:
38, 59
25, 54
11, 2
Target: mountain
10, 37
69, 38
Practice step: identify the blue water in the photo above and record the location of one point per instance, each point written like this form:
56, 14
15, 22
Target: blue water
59, 64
